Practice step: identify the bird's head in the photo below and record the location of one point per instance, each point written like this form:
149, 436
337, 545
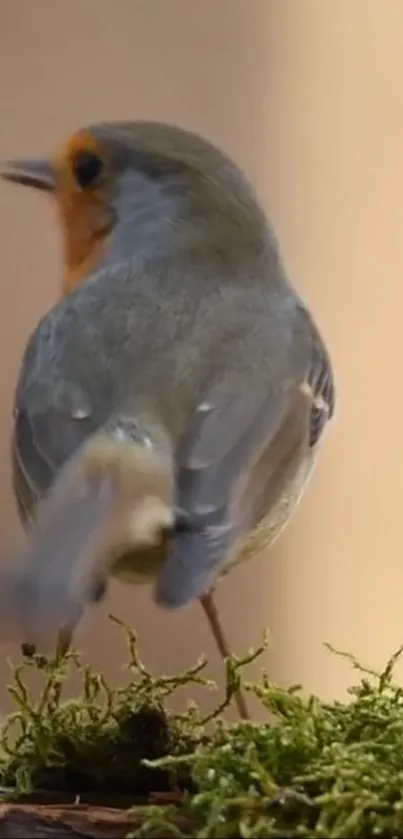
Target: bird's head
141, 188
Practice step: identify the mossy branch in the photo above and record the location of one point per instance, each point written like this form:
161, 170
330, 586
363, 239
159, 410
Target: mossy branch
314, 769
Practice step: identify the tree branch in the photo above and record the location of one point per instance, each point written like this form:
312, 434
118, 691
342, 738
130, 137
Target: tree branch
73, 821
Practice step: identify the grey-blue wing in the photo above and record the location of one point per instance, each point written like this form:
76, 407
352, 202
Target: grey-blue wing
226, 437
230, 435
35, 460
50, 421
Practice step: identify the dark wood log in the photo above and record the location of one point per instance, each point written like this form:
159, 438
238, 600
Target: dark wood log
72, 821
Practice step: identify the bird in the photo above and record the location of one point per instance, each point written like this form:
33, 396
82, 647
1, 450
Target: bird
170, 405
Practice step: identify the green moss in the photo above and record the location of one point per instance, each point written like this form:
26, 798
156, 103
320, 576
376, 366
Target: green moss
315, 769
94, 745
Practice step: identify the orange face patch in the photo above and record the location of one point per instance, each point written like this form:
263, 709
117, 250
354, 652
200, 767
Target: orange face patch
83, 212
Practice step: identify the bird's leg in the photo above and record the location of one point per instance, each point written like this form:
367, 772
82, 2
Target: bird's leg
210, 610
65, 634
62, 647
64, 637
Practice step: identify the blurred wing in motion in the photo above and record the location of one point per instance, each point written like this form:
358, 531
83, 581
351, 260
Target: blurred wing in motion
115, 493
61, 569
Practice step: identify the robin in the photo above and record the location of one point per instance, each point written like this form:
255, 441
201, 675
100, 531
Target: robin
170, 406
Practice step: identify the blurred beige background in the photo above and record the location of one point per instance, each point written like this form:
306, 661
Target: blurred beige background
307, 96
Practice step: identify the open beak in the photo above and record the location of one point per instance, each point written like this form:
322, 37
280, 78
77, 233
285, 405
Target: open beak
34, 172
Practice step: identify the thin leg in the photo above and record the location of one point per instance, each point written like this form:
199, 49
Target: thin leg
64, 636
210, 610
62, 647
63, 641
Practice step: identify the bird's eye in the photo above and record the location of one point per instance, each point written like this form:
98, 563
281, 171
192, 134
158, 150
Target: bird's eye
87, 166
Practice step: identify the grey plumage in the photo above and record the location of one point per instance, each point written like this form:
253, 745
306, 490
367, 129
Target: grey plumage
190, 306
